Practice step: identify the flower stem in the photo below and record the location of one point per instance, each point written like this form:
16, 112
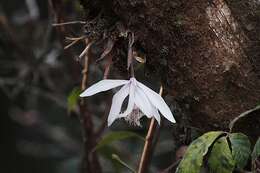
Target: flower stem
145, 158
132, 70
90, 161
131, 41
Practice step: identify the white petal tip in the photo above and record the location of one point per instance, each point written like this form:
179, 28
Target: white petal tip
84, 94
172, 120
110, 120
109, 123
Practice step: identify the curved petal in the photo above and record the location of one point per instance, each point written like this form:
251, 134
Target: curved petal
143, 103
117, 103
102, 85
157, 115
131, 101
158, 102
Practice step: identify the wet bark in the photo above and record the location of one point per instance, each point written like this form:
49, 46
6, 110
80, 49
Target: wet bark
206, 52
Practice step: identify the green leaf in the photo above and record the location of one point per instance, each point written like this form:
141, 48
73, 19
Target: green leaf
255, 156
73, 99
256, 151
220, 158
193, 158
240, 146
115, 136
106, 152
117, 158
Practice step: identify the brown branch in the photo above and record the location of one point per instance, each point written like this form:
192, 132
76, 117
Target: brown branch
90, 163
68, 23
145, 158
104, 119
73, 41
85, 51
85, 70
56, 8
102, 127
107, 66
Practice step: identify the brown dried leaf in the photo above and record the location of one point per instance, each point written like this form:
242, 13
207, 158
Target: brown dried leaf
108, 48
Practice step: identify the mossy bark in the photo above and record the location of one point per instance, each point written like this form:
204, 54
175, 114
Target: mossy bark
204, 50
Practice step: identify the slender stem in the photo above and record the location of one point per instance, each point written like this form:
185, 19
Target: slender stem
85, 70
90, 161
75, 38
104, 120
107, 66
130, 52
71, 44
74, 41
68, 23
145, 158
132, 70
85, 51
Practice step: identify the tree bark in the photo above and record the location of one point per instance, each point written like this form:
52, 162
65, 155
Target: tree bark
203, 49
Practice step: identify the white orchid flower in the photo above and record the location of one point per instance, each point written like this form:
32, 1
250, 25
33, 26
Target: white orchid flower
141, 98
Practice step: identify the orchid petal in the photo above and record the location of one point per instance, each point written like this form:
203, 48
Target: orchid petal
157, 115
143, 103
117, 103
158, 102
131, 101
101, 86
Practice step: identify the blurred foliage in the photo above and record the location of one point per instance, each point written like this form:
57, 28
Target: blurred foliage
35, 79
73, 99
117, 158
114, 136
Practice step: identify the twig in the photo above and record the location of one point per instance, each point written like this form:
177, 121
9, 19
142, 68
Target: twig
90, 161
104, 120
74, 41
107, 66
102, 127
131, 41
145, 158
108, 48
69, 23
75, 38
85, 51
85, 70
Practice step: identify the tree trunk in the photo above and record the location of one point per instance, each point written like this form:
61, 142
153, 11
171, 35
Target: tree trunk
205, 50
